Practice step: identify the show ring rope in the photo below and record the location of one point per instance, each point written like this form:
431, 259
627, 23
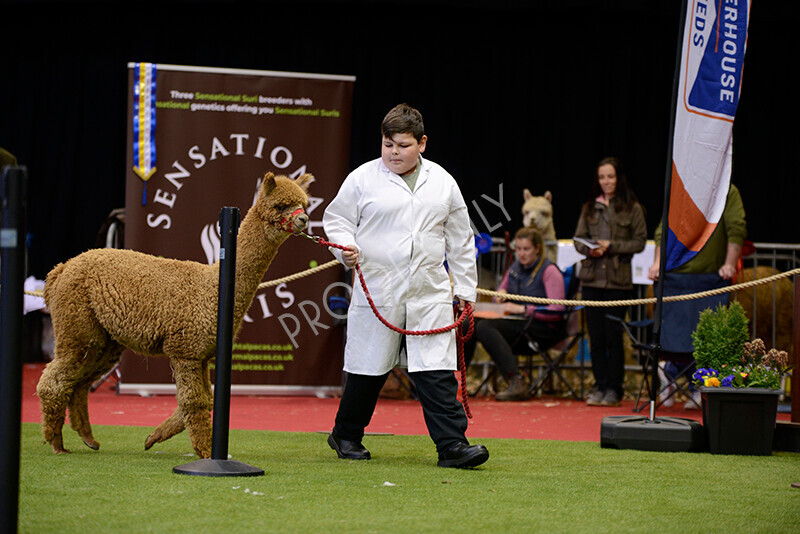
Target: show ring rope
467, 313
546, 301
539, 300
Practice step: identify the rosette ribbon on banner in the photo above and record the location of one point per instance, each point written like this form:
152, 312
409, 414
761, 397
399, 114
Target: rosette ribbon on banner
144, 123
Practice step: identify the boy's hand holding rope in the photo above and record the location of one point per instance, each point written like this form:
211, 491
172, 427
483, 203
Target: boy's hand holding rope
350, 258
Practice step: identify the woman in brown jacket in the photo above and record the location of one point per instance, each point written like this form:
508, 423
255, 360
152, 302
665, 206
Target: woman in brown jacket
612, 226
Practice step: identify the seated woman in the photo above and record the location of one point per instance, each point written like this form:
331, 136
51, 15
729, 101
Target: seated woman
531, 275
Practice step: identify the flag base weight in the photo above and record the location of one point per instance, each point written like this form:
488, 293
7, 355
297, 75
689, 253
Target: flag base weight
786, 437
208, 467
664, 434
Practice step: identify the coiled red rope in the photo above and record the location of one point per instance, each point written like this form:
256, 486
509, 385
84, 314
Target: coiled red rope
461, 336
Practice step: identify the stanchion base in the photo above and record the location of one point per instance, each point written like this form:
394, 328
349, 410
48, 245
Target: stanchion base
208, 467
667, 434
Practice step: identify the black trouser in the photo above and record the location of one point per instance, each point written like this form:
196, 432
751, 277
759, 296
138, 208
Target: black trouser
437, 390
503, 340
605, 338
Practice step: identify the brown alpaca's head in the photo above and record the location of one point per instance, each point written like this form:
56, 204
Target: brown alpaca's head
282, 202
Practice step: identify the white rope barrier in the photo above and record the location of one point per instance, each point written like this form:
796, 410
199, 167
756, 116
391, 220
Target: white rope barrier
546, 301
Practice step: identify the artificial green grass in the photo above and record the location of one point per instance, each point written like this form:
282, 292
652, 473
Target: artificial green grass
526, 486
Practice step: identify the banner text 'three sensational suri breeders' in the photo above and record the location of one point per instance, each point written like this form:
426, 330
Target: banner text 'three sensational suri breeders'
200, 139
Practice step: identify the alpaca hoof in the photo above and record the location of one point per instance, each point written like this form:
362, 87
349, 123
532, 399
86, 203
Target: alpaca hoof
92, 444
150, 441
59, 450
58, 446
202, 450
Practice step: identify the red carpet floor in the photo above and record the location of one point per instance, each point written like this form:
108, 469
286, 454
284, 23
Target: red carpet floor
545, 418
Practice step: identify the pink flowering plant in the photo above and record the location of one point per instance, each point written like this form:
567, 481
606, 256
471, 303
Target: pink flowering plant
725, 358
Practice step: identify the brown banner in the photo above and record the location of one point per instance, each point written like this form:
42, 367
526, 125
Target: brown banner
217, 131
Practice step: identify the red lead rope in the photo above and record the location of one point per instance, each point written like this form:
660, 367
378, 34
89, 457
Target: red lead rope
461, 336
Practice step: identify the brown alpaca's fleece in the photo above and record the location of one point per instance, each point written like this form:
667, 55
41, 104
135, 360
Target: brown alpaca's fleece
781, 291
106, 300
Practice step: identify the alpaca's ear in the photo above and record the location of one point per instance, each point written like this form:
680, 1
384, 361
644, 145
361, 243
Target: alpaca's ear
548, 196
304, 181
268, 184
526, 194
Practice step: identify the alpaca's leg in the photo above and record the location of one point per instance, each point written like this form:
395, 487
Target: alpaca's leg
55, 389
195, 402
81, 343
54, 406
171, 426
79, 415
79, 402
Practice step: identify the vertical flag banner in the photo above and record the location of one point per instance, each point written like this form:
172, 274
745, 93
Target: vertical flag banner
219, 131
144, 123
712, 61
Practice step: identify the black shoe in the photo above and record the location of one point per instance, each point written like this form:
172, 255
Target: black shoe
350, 450
463, 455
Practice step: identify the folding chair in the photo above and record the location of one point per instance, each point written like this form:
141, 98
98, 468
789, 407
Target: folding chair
571, 335
114, 373
646, 358
529, 347
678, 320
685, 364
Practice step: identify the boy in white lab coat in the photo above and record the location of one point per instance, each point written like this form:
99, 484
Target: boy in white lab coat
399, 216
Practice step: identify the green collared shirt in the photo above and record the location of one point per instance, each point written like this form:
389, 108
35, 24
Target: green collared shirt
732, 228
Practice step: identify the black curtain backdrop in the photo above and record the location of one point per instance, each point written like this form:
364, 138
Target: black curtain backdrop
515, 94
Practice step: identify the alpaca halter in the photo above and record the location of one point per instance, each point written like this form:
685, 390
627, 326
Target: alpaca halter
285, 223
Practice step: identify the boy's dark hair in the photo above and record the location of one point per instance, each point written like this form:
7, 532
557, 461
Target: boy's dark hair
403, 119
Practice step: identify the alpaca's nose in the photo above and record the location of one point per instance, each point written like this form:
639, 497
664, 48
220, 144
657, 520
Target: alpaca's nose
301, 222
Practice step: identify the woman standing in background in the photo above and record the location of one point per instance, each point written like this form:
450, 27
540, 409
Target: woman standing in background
613, 227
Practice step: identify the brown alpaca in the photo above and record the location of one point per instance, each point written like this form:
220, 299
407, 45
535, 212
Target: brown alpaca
763, 295
106, 300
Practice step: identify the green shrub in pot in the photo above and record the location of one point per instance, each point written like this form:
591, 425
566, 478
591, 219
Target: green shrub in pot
725, 357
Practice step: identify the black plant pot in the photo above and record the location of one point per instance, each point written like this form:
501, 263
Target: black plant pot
739, 420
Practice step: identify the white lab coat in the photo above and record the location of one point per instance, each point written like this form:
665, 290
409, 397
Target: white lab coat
402, 239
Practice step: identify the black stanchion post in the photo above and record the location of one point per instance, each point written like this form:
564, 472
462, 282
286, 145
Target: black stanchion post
229, 228
12, 275
219, 465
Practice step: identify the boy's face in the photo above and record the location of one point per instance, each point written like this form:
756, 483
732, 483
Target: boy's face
400, 153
